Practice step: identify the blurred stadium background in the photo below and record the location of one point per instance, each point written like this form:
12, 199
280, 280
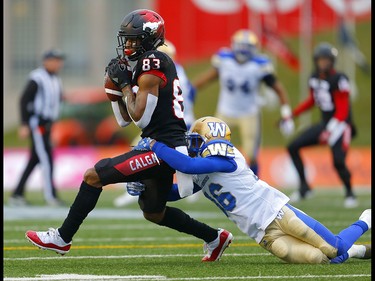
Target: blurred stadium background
86, 31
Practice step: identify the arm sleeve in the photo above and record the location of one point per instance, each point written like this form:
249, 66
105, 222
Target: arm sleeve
27, 98
188, 165
341, 100
305, 105
174, 195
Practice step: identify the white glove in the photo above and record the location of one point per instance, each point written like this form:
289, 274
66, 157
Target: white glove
335, 129
286, 125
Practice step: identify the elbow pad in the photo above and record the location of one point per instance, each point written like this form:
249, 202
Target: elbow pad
116, 110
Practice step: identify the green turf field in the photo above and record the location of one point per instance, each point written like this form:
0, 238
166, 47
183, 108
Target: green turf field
121, 245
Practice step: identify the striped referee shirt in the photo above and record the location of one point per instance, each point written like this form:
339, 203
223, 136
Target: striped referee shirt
42, 97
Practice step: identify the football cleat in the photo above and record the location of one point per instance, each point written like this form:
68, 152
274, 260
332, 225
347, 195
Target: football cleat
368, 252
350, 202
48, 240
215, 249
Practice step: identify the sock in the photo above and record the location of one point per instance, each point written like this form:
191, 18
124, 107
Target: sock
349, 235
176, 219
84, 203
340, 259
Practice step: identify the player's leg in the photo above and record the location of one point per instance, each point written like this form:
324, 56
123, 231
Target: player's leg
355, 251
17, 197
46, 162
293, 250
153, 200
131, 166
302, 226
250, 131
339, 152
308, 137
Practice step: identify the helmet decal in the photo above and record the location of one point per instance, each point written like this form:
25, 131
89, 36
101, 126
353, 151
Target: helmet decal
217, 129
151, 27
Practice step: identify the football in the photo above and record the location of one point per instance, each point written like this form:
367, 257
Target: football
113, 92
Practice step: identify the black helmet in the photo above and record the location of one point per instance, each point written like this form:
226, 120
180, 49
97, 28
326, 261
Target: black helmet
145, 25
325, 50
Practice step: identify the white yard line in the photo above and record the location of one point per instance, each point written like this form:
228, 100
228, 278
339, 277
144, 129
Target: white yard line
125, 257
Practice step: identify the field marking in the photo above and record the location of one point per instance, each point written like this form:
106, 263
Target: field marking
142, 225
145, 239
130, 256
129, 239
67, 277
86, 247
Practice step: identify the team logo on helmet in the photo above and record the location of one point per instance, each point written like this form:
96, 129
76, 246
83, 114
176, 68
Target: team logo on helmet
217, 129
151, 27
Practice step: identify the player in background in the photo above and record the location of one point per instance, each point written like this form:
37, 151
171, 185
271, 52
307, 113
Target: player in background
240, 70
259, 210
188, 94
150, 97
330, 92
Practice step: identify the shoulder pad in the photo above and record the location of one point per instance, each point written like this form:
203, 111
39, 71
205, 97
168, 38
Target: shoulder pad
225, 53
261, 59
218, 148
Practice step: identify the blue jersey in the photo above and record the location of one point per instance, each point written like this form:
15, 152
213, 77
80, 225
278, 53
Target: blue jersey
232, 186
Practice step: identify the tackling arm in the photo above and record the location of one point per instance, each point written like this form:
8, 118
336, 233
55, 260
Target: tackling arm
174, 195
188, 165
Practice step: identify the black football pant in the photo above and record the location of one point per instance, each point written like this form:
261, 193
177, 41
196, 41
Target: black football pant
310, 137
40, 153
133, 166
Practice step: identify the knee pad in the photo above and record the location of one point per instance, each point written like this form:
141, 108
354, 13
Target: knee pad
280, 248
316, 256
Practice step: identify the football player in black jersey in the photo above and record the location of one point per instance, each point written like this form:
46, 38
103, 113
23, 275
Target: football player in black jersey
152, 99
330, 92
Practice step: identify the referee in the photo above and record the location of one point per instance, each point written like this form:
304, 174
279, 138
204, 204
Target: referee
39, 107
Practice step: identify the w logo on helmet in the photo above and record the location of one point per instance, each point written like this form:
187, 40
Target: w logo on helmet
217, 129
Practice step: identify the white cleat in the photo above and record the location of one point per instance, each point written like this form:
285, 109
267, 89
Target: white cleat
49, 240
366, 217
350, 202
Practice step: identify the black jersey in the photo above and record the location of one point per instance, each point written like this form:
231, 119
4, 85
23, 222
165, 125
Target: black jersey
324, 89
167, 123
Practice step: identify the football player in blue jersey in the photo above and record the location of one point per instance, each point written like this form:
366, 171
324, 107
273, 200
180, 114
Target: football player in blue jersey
241, 70
259, 210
